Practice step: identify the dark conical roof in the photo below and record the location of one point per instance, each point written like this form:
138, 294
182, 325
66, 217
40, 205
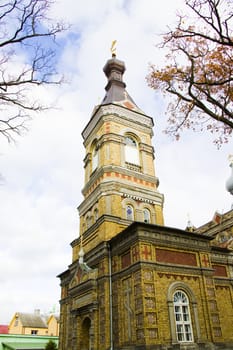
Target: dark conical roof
115, 88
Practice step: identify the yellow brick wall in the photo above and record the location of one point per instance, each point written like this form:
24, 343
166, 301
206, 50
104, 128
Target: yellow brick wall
196, 285
159, 215
160, 331
224, 299
106, 231
63, 336
148, 164
149, 300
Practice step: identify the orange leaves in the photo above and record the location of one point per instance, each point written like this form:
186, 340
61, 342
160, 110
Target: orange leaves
198, 73
157, 78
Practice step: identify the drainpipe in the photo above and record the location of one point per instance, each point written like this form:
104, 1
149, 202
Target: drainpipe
110, 295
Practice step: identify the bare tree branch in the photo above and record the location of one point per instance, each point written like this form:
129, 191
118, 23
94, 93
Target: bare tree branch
25, 30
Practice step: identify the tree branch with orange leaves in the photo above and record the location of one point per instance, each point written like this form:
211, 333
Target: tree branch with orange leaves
199, 71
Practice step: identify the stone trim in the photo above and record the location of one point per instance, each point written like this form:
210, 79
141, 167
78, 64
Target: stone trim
119, 111
140, 199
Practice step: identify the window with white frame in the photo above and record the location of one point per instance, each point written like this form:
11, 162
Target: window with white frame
129, 212
182, 317
131, 150
146, 215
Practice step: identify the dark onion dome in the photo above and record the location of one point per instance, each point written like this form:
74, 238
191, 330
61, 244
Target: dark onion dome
116, 88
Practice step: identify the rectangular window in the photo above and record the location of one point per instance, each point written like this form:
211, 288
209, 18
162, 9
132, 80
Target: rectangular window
34, 332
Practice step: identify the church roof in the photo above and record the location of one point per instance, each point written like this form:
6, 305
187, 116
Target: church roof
4, 329
116, 88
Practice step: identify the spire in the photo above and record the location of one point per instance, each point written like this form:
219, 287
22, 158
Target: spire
190, 227
115, 88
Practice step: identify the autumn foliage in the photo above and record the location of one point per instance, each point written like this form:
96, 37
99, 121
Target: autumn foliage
199, 71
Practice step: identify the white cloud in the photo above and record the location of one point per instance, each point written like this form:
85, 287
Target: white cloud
44, 172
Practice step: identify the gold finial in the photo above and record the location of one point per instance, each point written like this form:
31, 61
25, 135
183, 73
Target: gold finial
113, 48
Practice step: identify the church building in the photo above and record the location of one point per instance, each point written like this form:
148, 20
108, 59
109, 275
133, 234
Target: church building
134, 283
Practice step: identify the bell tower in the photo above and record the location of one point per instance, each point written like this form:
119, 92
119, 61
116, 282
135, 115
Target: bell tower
120, 180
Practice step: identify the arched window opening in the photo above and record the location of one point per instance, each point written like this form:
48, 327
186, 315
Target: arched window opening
129, 212
131, 150
146, 215
130, 141
96, 214
95, 157
182, 317
88, 221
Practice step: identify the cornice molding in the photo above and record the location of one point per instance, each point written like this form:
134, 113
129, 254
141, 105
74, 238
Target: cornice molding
116, 111
121, 170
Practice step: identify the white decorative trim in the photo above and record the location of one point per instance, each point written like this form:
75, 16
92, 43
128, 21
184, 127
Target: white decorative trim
139, 198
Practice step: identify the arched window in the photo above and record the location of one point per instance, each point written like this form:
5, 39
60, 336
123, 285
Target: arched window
129, 212
130, 141
88, 221
131, 150
95, 157
182, 317
96, 214
146, 215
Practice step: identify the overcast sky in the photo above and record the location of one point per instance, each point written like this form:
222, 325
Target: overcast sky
43, 171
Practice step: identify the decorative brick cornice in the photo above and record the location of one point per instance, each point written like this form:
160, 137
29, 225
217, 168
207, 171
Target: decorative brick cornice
116, 110
177, 276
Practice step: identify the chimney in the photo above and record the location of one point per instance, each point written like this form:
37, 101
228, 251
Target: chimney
37, 312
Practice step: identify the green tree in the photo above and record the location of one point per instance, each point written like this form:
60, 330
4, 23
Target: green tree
27, 59
51, 345
198, 75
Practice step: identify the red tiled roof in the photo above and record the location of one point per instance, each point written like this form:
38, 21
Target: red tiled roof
3, 329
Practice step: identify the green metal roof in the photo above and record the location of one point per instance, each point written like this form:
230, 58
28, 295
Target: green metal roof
23, 346
24, 342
